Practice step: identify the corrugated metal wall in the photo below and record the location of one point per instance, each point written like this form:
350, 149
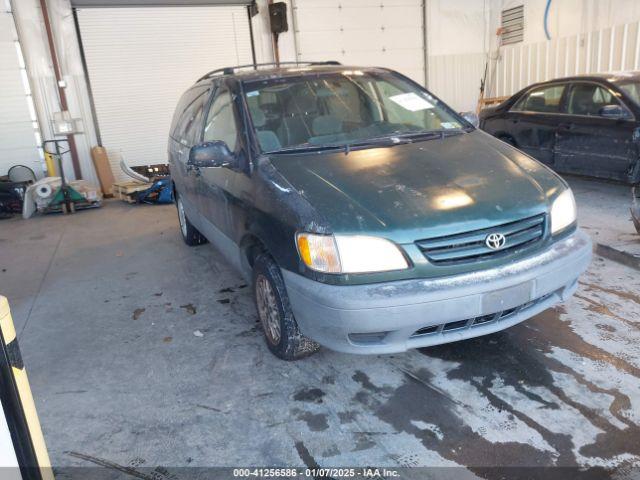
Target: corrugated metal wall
609, 50
456, 78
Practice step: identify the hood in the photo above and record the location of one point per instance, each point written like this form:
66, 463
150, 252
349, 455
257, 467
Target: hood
487, 111
421, 190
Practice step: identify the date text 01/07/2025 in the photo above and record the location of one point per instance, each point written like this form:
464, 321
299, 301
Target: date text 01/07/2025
316, 472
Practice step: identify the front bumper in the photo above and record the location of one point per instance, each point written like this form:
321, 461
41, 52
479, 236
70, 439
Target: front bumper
384, 317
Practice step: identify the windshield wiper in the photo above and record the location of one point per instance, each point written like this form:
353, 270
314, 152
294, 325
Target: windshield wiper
432, 134
386, 141
383, 141
306, 148
346, 147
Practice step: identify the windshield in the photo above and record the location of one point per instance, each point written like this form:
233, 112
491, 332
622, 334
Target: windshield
342, 108
632, 89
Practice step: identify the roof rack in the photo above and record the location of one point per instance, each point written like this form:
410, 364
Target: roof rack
255, 66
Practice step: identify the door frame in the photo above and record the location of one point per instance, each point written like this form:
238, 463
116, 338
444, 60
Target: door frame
571, 118
526, 114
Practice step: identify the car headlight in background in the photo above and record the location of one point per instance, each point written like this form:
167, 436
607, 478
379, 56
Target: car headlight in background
349, 253
563, 211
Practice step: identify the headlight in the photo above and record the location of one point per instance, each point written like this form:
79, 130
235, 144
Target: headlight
349, 253
563, 211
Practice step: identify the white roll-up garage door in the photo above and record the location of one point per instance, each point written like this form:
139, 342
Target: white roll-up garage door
140, 60
17, 139
384, 33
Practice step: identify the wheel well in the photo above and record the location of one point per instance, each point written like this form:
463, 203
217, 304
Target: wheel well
251, 247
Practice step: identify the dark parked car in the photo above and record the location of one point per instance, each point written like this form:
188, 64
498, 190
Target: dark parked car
588, 125
369, 216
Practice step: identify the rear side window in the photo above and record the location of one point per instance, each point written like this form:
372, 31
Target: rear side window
221, 123
190, 127
190, 124
542, 100
186, 101
588, 99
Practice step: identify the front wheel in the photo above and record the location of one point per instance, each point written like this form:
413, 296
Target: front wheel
274, 310
190, 234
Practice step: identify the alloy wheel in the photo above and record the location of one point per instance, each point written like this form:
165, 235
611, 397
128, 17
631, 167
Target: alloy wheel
182, 218
268, 309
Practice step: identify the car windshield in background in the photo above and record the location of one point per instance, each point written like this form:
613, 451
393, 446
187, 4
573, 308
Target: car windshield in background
343, 108
632, 89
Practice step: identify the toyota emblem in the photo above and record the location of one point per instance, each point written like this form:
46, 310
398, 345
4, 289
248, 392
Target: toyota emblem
495, 241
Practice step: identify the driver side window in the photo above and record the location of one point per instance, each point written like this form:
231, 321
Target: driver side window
221, 122
588, 99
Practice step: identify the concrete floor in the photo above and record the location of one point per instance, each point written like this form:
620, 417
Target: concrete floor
598, 201
106, 303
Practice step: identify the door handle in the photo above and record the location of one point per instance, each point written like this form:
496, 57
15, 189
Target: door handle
566, 126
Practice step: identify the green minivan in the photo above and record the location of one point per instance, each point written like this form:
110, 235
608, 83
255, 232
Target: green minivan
370, 217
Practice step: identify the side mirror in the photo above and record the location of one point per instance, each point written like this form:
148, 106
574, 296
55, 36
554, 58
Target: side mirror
471, 117
612, 111
211, 154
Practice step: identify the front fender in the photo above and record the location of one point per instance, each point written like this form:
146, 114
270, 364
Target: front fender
278, 212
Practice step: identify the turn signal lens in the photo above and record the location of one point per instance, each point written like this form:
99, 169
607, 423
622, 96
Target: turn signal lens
319, 252
303, 248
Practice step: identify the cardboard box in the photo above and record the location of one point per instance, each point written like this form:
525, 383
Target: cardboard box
103, 169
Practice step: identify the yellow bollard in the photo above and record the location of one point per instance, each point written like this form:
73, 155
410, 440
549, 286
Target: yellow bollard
51, 165
18, 386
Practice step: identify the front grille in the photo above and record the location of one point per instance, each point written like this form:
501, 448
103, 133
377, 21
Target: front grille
471, 246
457, 325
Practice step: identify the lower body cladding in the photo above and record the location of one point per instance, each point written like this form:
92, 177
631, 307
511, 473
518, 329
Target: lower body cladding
396, 316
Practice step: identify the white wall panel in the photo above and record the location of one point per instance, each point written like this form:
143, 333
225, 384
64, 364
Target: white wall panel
456, 79
587, 36
611, 49
17, 140
141, 60
386, 33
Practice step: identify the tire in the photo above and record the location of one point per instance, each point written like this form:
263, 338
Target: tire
190, 234
274, 311
634, 178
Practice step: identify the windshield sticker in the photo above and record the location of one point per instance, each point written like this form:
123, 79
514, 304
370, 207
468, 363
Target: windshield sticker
449, 125
255, 93
411, 101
